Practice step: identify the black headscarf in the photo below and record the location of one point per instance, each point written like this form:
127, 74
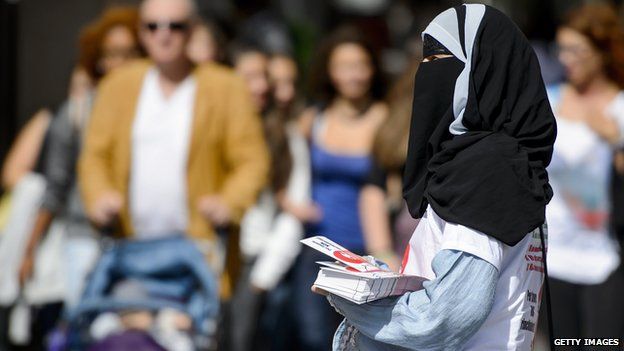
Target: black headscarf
482, 129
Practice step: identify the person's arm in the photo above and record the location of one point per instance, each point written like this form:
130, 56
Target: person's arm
59, 173
42, 223
246, 153
25, 151
376, 225
375, 217
442, 316
611, 126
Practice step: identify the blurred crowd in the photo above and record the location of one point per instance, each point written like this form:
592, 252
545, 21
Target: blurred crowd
162, 204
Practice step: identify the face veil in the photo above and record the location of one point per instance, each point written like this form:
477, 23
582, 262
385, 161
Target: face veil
434, 86
482, 129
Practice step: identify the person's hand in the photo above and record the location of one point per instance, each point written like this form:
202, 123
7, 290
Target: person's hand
387, 260
392, 262
172, 318
215, 210
315, 289
256, 289
26, 268
308, 213
137, 320
106, 208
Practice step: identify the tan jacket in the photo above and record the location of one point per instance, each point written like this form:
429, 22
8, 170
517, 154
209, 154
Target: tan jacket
227, 154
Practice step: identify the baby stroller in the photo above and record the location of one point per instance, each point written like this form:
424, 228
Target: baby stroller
149, 276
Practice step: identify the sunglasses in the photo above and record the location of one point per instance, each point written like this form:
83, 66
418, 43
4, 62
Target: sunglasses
172, 26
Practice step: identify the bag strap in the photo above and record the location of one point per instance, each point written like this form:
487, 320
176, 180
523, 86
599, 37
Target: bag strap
547, 285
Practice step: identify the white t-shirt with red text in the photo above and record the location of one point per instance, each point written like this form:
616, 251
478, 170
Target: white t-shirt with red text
512, 322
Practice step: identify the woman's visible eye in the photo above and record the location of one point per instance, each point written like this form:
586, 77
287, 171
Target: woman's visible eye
431, 58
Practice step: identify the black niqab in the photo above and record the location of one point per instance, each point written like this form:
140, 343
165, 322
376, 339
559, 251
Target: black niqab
492, 177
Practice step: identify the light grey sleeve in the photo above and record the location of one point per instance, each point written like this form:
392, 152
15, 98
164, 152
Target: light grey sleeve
442, 316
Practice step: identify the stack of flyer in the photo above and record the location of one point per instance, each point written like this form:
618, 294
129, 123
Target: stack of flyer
356, 278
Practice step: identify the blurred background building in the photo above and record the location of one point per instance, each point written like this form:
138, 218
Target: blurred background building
37, 37
39, 51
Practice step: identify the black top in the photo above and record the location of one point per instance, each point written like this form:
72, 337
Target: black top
377, 176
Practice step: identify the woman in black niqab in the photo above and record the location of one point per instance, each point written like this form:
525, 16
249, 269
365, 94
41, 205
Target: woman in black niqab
481, 137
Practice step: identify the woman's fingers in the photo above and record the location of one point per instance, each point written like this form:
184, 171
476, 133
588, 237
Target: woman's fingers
317, 290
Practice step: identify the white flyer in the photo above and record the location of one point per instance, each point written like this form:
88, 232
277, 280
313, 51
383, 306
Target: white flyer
331, 249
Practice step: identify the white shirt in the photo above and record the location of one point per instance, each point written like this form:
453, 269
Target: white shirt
512, 321
160, 142
582, 250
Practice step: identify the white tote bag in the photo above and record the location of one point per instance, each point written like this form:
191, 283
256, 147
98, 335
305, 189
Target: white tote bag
25, 203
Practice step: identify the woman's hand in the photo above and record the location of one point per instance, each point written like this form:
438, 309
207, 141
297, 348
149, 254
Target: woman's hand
315, 289
309, 213
305, 213
106, 208
387, 260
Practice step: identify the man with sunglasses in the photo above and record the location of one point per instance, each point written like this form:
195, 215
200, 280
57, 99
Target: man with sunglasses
172, 148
